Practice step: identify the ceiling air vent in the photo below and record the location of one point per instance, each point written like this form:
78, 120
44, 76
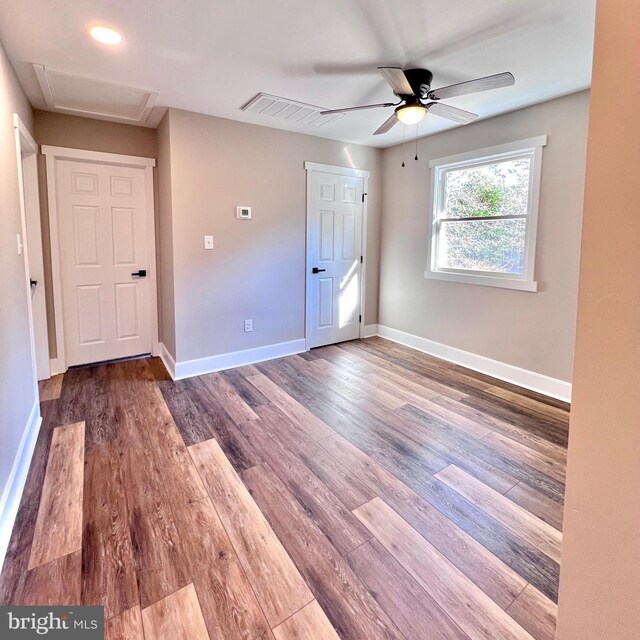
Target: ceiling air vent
289, 110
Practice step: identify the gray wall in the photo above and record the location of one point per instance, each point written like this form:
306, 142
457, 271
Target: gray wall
257, 269
17, 395
535, 331
166, 299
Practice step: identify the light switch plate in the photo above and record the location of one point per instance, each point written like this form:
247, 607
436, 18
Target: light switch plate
208, 242
243, 213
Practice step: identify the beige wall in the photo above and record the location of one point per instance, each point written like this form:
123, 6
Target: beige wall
257, 269
600, 575
534, 331
60, 130
166, 299
17, 394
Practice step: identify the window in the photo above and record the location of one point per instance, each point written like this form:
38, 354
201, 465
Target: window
484, 215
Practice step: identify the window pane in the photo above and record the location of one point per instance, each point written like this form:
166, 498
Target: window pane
483, 245
498, 189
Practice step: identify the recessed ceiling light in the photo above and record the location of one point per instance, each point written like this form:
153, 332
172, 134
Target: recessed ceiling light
105, 35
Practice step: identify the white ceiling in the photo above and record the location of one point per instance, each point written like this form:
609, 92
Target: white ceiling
213, 56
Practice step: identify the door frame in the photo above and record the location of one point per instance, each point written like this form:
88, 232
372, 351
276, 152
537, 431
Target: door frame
27, 151
52, 155
27, 145
310, 167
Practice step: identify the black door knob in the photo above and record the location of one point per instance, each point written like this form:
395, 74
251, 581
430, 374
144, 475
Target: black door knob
316, 270
141, 274
33, 283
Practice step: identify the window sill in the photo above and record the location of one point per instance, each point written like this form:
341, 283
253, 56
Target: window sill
486, 281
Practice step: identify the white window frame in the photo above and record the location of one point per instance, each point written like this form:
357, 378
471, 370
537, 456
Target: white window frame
532, 148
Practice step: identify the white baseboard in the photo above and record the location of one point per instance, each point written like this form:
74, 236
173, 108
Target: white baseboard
370, 330
167, 360
190, 368
14, 487
515, 375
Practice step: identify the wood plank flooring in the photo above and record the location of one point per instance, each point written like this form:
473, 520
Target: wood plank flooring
308, 622
58, 529
126, 626
50, 389
176, 616
358, 491
277, 583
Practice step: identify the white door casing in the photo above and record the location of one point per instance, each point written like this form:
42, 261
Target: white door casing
335, 221
24, 146
27, 151
36, 265
101, 207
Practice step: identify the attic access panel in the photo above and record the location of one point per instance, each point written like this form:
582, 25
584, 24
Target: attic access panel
80, 95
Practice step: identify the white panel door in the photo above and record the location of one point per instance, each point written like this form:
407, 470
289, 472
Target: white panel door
333, 258
103, 248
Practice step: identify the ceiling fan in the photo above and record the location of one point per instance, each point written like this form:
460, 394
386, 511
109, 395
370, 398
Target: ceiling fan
413, 87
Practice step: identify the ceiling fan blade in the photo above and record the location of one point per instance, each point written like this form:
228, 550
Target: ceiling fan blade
472, 86
398, 81
365, 106
451, 113
387, 125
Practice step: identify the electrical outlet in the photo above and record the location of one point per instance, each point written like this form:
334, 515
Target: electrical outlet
248, 326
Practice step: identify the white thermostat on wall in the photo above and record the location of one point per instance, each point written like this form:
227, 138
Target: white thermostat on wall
243, 213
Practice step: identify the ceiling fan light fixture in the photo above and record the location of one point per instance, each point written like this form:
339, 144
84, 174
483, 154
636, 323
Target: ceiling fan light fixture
411, 113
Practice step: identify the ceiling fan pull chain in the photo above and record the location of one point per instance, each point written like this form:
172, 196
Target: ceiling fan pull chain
416, 143
404, 131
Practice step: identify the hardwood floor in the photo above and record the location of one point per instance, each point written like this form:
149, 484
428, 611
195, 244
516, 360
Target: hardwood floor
358, 491
58, 530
